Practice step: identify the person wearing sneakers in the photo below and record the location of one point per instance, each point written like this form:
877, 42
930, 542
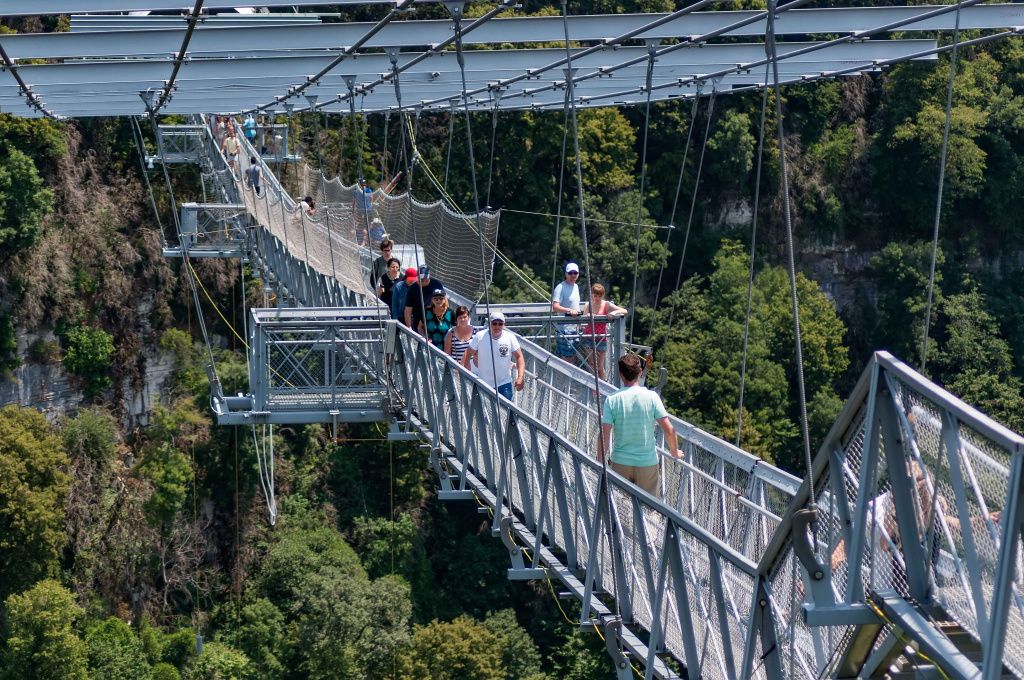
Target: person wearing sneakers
490, 355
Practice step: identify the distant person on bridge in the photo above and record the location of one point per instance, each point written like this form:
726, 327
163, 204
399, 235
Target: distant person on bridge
490, 356
419, 299
249, 128
308, 206
631, 413
387, 283
376, 230
595, 340
400, 295
230, 147
254, 175
457, 341
440, 319
566, 300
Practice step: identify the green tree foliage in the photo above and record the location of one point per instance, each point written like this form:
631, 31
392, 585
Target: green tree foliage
164, 671
901, 270
607, 150
463, 649
115, 652
87, 355
24, 201
519, 655
703, 353
256, 629
33, 490
219, 662
733, 146
397, 547
41, 640
91, 435
8, 345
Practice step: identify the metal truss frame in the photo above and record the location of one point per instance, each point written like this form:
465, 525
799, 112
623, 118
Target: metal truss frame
211, 77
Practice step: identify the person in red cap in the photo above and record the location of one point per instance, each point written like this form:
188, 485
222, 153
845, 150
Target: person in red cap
400, 292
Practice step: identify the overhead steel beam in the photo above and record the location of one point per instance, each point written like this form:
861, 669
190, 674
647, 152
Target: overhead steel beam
209, 40
13, 8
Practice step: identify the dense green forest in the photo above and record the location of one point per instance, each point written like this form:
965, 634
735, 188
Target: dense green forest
128, 533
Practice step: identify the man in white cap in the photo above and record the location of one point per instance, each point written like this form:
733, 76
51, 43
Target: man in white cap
490, 356
566, 300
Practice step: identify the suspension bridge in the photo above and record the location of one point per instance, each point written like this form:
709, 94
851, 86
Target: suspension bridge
737, 569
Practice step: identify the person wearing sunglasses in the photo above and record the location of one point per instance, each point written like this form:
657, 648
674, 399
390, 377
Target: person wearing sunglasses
566, 300
490, 356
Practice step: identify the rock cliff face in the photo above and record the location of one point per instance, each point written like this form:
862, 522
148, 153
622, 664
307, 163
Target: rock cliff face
48, 388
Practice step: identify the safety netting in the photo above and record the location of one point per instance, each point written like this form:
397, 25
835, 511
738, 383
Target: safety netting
459, 248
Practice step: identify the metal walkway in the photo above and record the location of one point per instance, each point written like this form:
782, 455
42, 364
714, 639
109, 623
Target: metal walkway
725, 575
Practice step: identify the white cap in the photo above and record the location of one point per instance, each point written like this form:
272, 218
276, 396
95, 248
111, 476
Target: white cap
497, 316
572, 267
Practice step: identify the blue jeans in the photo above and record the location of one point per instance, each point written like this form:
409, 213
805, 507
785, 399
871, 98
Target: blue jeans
505, 391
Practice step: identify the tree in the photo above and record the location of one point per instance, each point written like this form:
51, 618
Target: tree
24, 201
607, 153
115, 652
463, 649
33, 490
519, 655
88, 356
397, 547
219, 662
257, 631
901, 272
41, 640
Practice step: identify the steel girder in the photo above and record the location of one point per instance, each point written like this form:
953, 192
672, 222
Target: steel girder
33, 7
160, 43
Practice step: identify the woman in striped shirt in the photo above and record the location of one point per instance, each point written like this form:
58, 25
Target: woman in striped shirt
457, 340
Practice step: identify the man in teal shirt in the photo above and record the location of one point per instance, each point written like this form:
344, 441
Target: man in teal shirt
631, 413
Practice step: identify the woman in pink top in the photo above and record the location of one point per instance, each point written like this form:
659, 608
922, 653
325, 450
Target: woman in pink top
595, 339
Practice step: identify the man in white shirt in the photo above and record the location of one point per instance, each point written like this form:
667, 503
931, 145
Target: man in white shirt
566, 300
490, 356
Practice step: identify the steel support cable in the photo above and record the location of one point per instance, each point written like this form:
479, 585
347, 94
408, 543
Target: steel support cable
186, 260
693, 202
314, 79
434, 49
456, 11
771, 47
504, 259
140, 144
558, 212
384, 152
606, 44
943, 153
494, 132
165, 95
854, 36
605, 498
31, 98
750, 274
672, 216
451, 136
643, 178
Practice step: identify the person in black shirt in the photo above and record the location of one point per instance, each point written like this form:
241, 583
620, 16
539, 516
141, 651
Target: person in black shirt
419, 297
387, 282
380, 264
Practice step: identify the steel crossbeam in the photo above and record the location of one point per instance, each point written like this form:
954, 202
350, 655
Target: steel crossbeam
103, 72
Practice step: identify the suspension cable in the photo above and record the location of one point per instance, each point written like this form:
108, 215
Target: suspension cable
753, 251
384, 153
456, 11
672, 216
451, 136
791, 260
651, 46
494, 130
942, 182
140, 145
693, 201
606, 496
558, 213
165, 95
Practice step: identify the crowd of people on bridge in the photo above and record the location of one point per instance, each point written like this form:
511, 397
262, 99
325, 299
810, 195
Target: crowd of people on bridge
418, 299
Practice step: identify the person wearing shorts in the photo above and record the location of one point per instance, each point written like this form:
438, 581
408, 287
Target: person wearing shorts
594, 339
566, 300
630, 415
